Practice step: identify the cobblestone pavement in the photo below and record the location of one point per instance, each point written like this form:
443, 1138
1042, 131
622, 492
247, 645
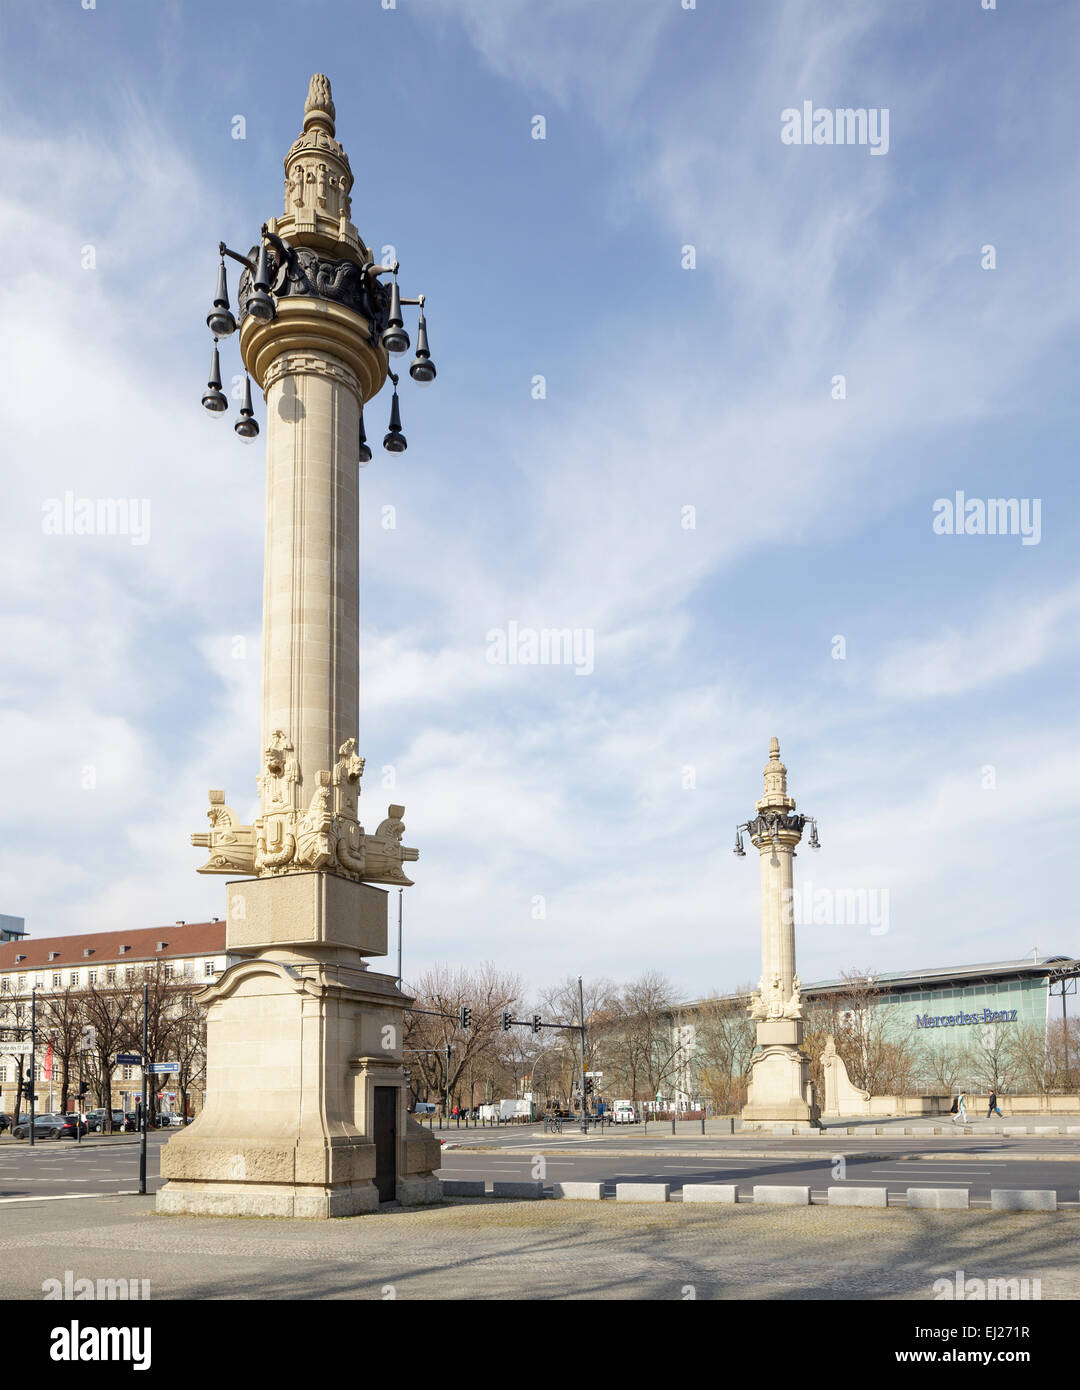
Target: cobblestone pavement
556, 1250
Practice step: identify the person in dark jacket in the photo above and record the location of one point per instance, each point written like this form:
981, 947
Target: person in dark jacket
992, 1107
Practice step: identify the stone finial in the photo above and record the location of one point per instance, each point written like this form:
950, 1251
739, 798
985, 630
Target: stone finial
776, 793
775, 771
319, 107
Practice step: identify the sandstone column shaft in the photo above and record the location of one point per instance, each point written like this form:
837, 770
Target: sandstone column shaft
311, 588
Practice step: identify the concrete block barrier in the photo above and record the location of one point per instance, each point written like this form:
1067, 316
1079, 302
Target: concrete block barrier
937, 1198
458, 1187
1022, 1199
580, 1191
783, 1129
1047, 1129
523, 1191
709, 1192
642, 1192
782, 1196
858, 1196
1072, 1129
1016, 1129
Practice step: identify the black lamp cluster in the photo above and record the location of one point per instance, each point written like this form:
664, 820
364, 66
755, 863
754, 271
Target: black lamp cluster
262, 305
771, 826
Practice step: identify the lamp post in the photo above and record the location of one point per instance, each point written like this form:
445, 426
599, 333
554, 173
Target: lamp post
780, 1087
317, 328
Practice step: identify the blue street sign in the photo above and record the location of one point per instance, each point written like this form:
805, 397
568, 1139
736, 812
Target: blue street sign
129, 1059
167, 1067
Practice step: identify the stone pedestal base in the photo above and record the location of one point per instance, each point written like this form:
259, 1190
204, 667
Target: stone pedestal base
258, 1199
306, 1093
780, 1089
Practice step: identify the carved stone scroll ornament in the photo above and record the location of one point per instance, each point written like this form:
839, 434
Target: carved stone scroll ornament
231, 845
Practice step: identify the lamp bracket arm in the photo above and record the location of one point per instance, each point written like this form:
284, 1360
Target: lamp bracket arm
223, 250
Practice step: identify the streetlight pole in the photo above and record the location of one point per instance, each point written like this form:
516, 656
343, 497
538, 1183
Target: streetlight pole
584, 1097
33, 1056
400, 891
142, 1146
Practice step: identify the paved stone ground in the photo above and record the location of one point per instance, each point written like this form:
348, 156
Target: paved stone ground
538, 1250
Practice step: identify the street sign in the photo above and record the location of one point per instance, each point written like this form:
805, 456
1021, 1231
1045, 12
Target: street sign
16, 1049
129, 1059
594, 1073
167, 1067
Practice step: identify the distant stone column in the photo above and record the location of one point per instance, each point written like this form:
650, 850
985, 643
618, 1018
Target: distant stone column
780, 1088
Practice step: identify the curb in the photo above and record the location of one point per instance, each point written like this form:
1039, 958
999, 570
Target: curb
1010, 1200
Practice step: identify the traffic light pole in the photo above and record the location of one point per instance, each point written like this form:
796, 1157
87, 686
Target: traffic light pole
78, 1104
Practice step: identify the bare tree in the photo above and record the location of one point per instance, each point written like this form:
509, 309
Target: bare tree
439, 1053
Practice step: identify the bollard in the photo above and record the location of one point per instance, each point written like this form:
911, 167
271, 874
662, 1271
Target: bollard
673, 1124
703, 1124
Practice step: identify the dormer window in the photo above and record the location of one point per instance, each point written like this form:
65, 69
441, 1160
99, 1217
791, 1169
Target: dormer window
54, 955
123, 949
162, 945
89, 951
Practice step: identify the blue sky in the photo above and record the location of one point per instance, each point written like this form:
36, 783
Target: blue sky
609, 799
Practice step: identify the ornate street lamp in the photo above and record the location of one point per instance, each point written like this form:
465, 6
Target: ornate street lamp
276, 268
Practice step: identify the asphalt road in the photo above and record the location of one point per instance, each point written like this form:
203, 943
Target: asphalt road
897, 1174
111, 1166
62, 1168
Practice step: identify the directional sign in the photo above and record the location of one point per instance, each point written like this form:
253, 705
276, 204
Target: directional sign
129, 1059
594, 1073
167, 1067
16, 1049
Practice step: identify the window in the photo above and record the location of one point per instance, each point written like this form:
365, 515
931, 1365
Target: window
148, 972
125, 1075
3, 1074
22, 981
37, 981
129, 972
189, 969
93, 976
57, 979
74, 980
110, 975
5, 985
208, 968
169, 971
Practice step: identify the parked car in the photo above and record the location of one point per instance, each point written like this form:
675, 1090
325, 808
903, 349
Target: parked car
624, 1112
95, 1121
50, 1126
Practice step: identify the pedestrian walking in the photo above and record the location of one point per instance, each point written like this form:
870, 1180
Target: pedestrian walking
961, 1113
992, 1107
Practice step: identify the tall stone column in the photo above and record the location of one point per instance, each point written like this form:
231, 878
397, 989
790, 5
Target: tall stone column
780, 1088
306, 1090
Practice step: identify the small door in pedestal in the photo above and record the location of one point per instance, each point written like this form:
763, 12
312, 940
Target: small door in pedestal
386, 1098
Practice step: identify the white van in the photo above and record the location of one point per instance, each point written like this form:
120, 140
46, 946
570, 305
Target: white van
623, 1112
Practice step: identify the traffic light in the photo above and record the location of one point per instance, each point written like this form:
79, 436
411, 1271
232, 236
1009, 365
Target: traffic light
84, 1088
466, 1016
588, 1086
507, 1022
536, 1023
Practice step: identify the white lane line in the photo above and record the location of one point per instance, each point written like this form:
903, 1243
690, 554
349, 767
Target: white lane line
67, 1197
